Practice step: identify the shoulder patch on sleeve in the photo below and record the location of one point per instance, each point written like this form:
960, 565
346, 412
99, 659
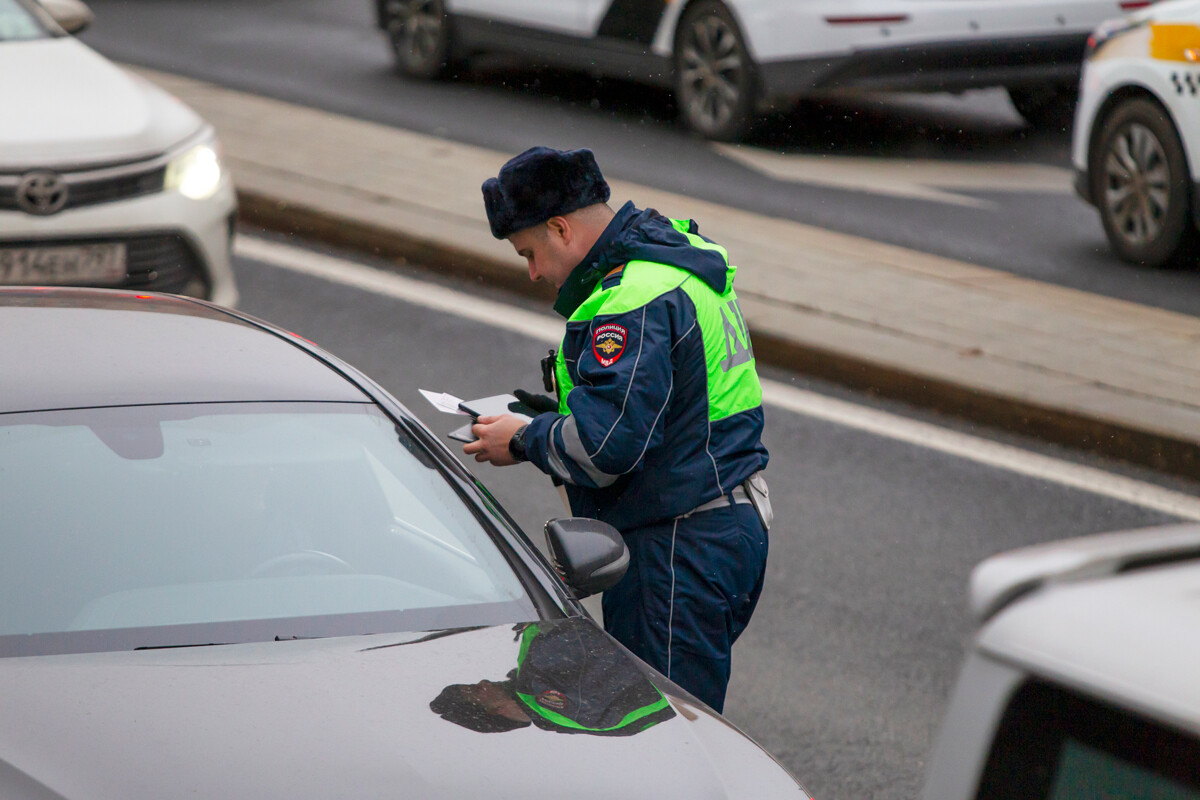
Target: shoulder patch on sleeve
608, 343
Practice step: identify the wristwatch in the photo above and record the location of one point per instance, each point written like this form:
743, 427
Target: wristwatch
516, 445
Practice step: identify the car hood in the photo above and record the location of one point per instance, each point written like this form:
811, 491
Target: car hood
77, 108
353, 717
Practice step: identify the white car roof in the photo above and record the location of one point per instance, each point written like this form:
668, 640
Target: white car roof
1114, 617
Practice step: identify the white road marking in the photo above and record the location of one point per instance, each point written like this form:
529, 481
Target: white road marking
430, 295
900, 177
800, 401
982, 451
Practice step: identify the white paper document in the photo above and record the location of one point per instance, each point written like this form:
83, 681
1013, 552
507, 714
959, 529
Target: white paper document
481, 407
446, 403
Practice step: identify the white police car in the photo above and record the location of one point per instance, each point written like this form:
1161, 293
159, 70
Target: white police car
105, 180
1137, 133
1081, 682
728, 60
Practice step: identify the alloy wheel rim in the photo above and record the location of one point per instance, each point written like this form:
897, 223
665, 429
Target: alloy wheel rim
1137, 190
416, 28
711, 71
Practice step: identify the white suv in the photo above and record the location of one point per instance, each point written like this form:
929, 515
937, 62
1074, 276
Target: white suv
105, 180
728, 60
1081, 682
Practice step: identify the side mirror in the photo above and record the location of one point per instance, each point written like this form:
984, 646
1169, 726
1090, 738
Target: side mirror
589, 555
71, 15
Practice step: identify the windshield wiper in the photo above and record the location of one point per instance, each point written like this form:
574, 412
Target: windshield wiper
218, 644
426, 638
177, 646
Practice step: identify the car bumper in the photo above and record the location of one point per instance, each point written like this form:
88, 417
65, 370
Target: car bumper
933, 66
173, 244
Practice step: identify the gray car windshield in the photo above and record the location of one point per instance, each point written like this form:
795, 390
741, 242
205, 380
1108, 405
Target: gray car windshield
18, 24
163, 526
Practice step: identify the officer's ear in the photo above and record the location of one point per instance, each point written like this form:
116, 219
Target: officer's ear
559, 229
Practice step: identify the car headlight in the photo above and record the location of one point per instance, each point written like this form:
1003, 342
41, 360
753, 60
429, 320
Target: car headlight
196, 172
1110, 30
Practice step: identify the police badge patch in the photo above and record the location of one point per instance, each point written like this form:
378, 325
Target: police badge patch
608, 343
552, 698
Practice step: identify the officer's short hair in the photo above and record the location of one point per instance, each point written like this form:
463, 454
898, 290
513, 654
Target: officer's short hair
454, 705
539, 184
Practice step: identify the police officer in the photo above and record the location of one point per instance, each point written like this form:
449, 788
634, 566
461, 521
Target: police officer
659, 413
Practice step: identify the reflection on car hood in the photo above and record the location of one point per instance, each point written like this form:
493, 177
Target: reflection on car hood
66, 105
352, 717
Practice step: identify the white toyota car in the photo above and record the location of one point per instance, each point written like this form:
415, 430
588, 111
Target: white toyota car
105, 180
728, 60
1137, 134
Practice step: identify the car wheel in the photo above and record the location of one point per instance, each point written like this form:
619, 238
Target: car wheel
1139, 181
714, 74
1051, 106
419, 31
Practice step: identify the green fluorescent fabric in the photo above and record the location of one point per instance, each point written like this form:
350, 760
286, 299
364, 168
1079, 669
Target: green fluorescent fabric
733, 384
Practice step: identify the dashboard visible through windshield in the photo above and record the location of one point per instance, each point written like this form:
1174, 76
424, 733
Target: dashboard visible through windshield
158, 526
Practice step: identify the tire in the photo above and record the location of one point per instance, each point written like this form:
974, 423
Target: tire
1140, 183
420, 34
715, 78
1049, 107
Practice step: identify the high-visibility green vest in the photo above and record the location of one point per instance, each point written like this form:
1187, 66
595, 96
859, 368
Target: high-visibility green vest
733, 383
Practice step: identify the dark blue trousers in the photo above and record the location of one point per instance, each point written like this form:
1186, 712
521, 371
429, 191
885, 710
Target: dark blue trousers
688, 594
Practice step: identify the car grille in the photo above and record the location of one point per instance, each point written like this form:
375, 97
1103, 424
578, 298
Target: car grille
118, 188
94, 187
160, 262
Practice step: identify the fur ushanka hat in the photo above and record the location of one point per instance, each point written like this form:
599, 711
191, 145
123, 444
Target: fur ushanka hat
539, 184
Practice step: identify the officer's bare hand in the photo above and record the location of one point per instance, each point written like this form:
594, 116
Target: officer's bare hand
494, 434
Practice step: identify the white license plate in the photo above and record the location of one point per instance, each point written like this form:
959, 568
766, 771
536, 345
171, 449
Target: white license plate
93, 263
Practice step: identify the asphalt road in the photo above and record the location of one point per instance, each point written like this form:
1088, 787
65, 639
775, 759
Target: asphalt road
327, 54
845, 670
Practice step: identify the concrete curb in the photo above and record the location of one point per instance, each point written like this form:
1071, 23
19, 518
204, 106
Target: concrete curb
1121, 441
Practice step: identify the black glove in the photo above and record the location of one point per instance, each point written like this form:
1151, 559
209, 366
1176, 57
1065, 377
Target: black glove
540, 403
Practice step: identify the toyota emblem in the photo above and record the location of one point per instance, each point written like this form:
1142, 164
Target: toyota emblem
42, 193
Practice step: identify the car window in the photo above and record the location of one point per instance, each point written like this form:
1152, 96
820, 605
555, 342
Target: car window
17, 24
136, 525
1054, 744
